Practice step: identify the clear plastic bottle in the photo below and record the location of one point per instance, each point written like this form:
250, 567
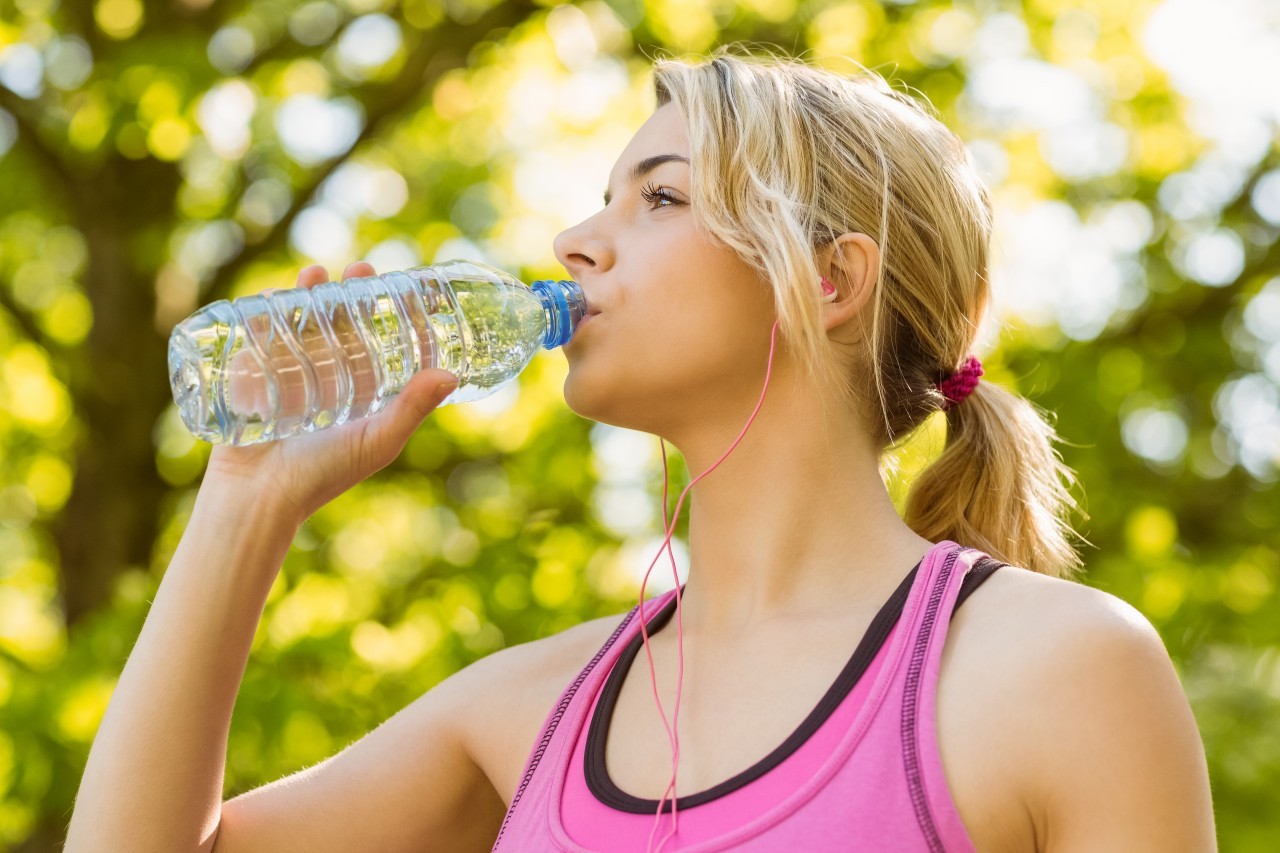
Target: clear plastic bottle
282, 362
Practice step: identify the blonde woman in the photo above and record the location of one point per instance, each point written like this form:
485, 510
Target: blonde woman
788, 271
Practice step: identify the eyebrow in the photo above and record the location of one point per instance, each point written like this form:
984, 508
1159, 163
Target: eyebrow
647, 165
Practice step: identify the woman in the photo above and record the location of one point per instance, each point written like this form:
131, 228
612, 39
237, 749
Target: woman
804, 254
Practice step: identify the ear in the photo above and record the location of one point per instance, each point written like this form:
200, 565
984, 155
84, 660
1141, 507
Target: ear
852, 262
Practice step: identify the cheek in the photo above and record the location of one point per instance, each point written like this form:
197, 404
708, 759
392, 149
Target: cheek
668, 348
684, 322
651, 372
687, 322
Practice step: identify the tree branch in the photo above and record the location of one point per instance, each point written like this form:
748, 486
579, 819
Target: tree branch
27, 323
440, 50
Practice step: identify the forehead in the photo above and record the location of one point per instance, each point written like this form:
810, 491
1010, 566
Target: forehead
662, 133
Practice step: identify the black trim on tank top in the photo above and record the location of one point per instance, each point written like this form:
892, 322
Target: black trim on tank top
597, 774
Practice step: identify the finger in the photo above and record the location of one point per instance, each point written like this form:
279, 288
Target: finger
312, 275
422, 394
391, 429
358, 269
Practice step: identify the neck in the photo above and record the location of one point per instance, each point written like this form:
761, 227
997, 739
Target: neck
795, 522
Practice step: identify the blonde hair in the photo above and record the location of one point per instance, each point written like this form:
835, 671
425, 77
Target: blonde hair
786, 157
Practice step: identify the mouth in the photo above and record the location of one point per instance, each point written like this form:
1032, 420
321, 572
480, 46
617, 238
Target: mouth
583, 323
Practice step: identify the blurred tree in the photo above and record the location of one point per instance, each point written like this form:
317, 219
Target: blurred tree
116, 177
155, 157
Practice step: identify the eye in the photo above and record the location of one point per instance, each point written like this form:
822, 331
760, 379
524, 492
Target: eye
655, 195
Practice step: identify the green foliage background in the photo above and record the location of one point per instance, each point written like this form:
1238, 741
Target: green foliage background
123, 207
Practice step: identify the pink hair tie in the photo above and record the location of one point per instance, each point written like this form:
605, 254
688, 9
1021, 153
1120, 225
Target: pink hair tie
960, 383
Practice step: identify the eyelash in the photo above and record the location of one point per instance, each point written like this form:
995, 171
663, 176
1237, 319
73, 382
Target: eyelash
651, 194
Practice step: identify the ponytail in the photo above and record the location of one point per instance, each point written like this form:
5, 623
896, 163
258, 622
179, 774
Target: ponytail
999, 485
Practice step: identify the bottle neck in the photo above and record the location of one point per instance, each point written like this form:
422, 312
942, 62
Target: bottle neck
565, 305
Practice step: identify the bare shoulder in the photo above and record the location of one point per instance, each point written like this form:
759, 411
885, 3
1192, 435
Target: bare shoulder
509, 694
1079, 686
1030, 615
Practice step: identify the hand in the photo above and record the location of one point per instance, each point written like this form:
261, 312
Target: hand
303, 472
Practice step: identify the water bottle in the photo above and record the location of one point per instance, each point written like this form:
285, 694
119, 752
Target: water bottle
288, 361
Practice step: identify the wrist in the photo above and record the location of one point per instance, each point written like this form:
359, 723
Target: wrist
235, 501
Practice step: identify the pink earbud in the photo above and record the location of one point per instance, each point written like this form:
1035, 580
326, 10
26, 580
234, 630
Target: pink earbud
828, 290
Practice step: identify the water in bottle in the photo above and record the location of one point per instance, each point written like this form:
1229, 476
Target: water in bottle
282, 362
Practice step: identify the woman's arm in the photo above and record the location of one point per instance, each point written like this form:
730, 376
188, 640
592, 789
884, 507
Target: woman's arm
154, 776
155, 771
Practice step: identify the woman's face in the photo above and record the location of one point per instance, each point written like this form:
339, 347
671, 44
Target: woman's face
682, 337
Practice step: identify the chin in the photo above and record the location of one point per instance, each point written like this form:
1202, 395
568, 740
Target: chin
597, 398
588, 398
579, 396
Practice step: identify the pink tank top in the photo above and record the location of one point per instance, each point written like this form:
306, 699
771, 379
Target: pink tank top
861, 772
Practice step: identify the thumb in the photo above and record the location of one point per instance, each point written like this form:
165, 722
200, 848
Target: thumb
420, 396
424, 392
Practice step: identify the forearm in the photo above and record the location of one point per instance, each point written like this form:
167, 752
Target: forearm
153, 781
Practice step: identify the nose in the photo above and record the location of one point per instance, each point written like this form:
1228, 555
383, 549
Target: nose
583, 249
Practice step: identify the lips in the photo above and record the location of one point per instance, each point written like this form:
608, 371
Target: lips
584, 322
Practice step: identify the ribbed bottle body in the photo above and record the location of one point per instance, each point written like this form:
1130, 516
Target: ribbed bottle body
282, 362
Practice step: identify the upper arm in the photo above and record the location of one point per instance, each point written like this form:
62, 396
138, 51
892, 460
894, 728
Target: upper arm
410, 784
1115, 761
419, 781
